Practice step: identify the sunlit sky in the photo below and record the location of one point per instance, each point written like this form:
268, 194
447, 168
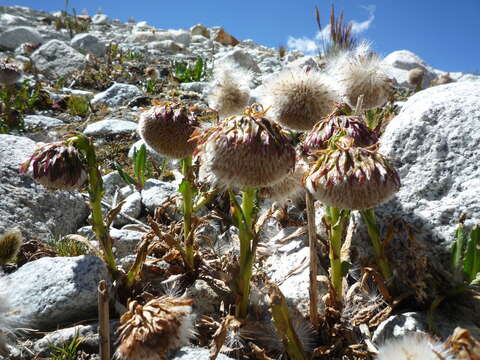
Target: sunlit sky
444, 33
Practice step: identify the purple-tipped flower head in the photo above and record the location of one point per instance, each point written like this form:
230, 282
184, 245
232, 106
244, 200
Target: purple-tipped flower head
57, 166
167, 129
247, 150
9, 73
349, 177
328, 128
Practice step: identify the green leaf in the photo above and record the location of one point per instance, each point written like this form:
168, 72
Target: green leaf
140, 159
198, 69
458, 248
475, 237
127, 178
183, 187
469, 261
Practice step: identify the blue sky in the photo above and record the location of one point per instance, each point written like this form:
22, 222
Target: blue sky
445, 33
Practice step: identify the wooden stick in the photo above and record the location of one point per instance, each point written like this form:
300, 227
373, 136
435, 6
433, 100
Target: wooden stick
103, 321
312, 240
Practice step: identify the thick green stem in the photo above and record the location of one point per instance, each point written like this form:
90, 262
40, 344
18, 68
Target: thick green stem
247, 251
187, 210
312, 241
337, 220
95, 192
379, 252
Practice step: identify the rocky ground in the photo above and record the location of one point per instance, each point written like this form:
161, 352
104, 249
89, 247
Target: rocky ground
96, 75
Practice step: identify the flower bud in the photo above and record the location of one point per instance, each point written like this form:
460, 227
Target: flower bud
152, 330
167, 130
351, 177
57, 166
9, 73
352, 126
247, 150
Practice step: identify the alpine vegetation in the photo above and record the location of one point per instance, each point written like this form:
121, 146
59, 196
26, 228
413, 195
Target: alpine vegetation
229, 90
298, 98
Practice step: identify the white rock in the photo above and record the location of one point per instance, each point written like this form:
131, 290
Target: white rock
100, 19
111, 182
205, 300
13, 38
155, 192
241, 58
12, 20
197, 86
400, 62
117, 94
192, 353
166, 45
201, 30
435, 141
110, 127
28, 205
40, 121
182, 37
200, 39
124, 241
398, 326
132, 208
56, 59
88, 43
49, 292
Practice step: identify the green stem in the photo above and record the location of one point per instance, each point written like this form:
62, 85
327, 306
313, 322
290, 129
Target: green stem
247, 252
337, 220
379, 252
187, 210
95, 192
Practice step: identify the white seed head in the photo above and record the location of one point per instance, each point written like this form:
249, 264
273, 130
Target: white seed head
361, 72
298, 98
229, 91
416, 346
415, 76
9, 73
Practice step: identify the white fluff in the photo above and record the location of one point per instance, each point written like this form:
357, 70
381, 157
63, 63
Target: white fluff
415, 346
360, 71
229, 91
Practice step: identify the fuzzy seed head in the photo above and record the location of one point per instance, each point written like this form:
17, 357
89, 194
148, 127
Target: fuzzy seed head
298, 98
154, 329
229, 91
9, 74
351, 177
152, 72
10, 244
167, 130
415, 76
247, 150
57, 166
415, 346
361, 72
352, 126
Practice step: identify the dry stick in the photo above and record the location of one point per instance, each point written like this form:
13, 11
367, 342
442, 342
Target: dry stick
312, 241
104, 321
358, 108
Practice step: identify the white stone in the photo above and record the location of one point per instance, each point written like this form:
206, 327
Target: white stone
182, 37
435, 141
40, 121
56, 59
88, 43
117, 94
110, 127
193, 353
124, 241
50, 292
12, 20
132, 208
155, 192
99, 19
241, 58
166, 45
13, 38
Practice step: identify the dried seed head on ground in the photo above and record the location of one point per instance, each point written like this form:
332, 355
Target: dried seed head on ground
247, 150
298, 98
167, 129
350, 177
153, 330
57, 166
361, 72
416, 346
229, 90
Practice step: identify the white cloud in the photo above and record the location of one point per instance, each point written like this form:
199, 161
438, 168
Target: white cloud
322, 38
304, 44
